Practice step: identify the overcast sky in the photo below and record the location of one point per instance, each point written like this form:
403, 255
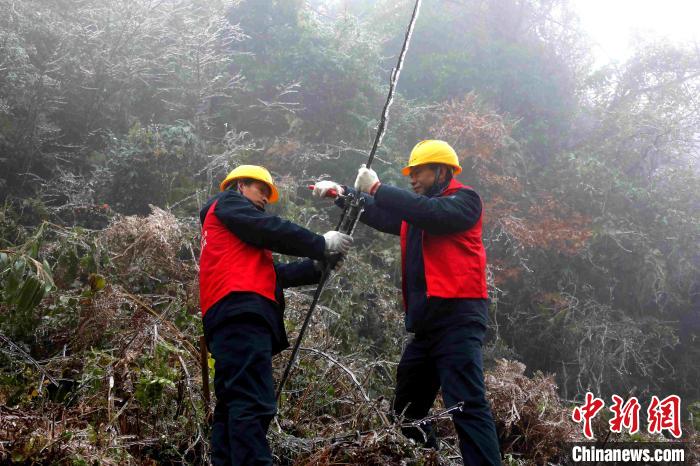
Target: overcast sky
612, 24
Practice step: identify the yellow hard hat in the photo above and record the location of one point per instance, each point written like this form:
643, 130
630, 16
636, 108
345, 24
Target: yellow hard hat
253, 172
432, 151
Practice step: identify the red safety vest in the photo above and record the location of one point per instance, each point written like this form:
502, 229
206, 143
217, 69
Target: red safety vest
455, 264
228, 264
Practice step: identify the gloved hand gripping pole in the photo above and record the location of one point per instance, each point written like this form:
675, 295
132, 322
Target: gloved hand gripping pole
354, 201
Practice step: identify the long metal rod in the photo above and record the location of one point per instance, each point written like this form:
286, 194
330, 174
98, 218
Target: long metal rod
297, 344
392, 84
354, 204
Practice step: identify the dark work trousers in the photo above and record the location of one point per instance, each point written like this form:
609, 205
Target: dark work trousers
245, 393
451, 359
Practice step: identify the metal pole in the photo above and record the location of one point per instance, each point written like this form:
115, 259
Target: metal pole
354, 203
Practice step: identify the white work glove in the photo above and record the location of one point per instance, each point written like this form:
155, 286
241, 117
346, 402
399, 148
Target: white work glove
367, 180
326, 188
337, 242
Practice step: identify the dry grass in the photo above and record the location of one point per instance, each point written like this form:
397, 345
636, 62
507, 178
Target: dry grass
529, 413
335, 409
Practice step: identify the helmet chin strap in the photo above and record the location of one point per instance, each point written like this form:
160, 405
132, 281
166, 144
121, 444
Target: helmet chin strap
435, 188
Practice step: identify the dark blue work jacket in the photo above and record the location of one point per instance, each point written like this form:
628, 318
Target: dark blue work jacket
435, 215
263, 230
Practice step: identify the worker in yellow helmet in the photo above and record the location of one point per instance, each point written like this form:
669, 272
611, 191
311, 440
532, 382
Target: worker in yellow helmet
242, 305
444, 291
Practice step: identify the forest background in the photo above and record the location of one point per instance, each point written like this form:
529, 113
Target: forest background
118, 119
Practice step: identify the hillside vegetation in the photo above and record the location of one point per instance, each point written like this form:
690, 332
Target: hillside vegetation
118, 120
